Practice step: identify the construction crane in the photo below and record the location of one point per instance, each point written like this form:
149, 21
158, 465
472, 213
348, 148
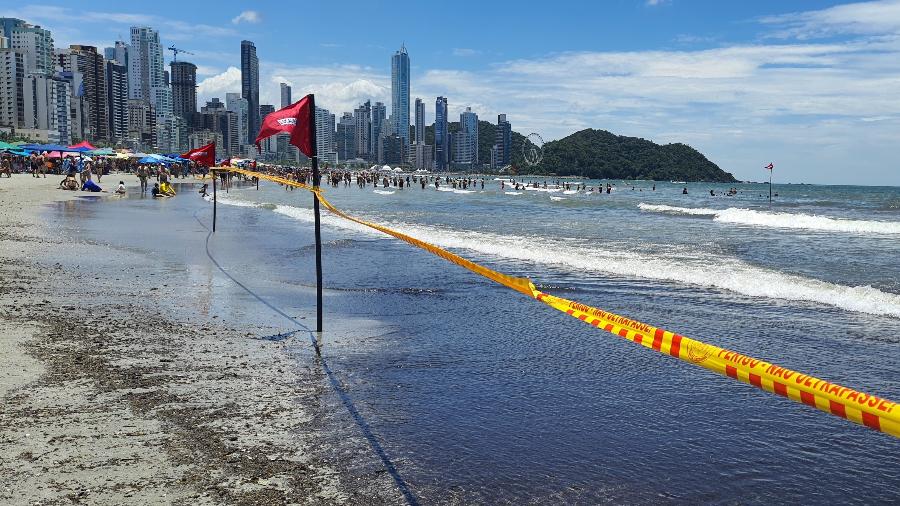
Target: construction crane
175, 52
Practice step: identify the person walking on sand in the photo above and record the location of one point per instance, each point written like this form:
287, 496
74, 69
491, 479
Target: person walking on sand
6, 167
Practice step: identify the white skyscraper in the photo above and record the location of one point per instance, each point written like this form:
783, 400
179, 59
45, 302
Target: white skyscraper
12, 74
237, 104
146, 68
46, 104
35, 42
325, 135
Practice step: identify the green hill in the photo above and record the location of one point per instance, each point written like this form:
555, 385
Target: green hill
601, 154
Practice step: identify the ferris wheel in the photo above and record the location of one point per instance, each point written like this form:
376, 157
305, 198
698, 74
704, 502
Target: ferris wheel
533, 149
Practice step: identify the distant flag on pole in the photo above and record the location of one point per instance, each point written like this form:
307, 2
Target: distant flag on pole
293, 119
770, 166
205, 156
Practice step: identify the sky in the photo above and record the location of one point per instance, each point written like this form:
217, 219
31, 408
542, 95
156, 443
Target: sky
813, 86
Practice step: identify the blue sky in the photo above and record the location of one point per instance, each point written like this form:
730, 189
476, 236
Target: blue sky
813, 86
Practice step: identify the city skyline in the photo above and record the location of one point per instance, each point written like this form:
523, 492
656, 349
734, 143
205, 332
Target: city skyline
744, 84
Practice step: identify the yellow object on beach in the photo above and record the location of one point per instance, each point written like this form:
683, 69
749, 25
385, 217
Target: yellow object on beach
865, 409
166, 188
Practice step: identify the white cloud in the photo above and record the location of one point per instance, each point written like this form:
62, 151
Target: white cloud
879, 17
77, 20
219, 84
247, 17
654, 3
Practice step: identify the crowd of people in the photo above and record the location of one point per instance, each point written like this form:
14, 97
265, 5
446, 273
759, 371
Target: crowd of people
85, 173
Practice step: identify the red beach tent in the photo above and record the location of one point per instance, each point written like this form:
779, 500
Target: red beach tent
83, 144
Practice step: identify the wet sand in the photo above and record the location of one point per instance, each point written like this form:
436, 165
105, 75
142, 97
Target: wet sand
113, 395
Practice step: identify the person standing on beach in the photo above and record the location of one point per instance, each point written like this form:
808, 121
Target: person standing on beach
6, 167
143, 175
35, 164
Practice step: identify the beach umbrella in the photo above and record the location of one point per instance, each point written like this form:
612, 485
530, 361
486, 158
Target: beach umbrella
103, 152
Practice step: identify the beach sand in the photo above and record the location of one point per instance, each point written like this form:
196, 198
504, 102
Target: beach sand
112, 395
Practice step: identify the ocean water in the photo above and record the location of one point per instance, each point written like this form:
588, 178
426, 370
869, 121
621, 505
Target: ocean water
478, 394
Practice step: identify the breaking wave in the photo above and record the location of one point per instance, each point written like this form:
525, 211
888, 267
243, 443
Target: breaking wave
739, 216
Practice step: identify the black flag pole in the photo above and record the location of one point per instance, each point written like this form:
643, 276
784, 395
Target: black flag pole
315, 170
214, 175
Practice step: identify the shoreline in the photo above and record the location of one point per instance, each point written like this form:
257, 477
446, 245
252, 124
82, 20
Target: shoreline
115, 391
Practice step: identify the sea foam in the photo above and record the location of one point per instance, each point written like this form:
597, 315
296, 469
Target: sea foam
740, 216
690, 268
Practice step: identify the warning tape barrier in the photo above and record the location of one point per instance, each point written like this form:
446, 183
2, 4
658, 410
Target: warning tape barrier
865, 409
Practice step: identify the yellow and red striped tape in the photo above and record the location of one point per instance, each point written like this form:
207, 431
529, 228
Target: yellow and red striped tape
865, 409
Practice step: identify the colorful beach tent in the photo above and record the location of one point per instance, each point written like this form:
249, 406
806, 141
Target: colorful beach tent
48, 147
82, 146
103, 152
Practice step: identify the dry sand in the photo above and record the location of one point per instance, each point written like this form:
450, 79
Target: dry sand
99, 406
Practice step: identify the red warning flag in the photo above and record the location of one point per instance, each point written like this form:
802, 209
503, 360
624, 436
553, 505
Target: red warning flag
294, 119
205, 156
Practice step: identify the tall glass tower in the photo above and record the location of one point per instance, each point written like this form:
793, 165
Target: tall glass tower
250, 88
400, 93
441, 135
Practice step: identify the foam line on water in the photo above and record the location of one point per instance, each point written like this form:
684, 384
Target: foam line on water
751, 217
686, 267
228, 201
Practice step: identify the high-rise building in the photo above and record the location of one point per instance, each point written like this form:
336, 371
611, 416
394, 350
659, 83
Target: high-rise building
503, 142
201, 138
421, 155
184, 89
77, 117
12, 76
378, 124
465, 141
324, 134
146, 68
420, 121
92, 92
119, 53
441, 135
400, 93
285, 95
35, 43
117, 100
237, 104
362, 116
224, 119
345, 137
171, 133
250, 87
392, 147
46, 106
270, 144
141, 124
